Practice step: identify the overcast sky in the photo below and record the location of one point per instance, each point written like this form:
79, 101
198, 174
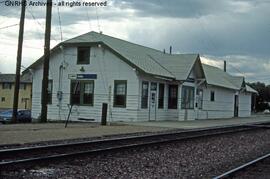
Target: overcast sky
234, 30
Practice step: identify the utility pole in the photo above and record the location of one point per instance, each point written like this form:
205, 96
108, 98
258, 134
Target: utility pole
18, 65
44, 97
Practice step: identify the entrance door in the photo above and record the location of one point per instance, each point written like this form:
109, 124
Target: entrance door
236, 105
153, 102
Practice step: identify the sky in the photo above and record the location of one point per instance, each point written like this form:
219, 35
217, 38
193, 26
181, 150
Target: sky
237, 31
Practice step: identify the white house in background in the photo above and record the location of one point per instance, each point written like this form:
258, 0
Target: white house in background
138, 83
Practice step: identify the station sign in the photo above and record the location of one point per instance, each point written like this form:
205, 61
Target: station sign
82, 76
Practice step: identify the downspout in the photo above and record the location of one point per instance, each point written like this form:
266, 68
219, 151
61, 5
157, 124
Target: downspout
60, 77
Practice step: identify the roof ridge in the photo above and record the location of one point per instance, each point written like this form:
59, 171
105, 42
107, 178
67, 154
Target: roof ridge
128, 42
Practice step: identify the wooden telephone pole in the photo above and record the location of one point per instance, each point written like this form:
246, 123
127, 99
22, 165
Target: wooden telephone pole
44, 97
18, 65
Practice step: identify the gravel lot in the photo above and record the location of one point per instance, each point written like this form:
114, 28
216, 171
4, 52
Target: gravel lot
200, 158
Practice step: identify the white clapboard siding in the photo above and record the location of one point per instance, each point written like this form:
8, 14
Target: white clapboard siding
244, 104
108, 68
222, 107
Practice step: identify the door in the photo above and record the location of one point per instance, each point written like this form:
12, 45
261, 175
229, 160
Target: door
236, 105
153, 102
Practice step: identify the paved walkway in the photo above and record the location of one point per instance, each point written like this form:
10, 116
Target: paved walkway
28, 133
202, 123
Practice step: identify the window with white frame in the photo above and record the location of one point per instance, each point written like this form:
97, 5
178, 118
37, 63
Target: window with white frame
144, 96
161, 96
83, 57
199, 94
82, 92
120, 93
212, 96
187, 96
172, 96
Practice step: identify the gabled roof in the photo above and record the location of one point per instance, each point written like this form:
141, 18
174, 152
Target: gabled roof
10, 78
237, 81
250, 89
148, 60
217, 77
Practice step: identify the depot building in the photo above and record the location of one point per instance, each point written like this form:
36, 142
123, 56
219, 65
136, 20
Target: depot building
137, 83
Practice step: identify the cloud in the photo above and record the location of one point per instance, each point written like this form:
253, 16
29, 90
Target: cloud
235, 30
253, 68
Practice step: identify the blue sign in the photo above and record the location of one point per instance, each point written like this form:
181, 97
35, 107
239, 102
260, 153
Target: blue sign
86, 76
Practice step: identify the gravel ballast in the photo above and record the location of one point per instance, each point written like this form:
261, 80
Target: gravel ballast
198, 158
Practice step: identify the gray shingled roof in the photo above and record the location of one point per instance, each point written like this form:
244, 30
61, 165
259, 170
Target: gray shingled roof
149, 60
216, 76
10, 78
155, 62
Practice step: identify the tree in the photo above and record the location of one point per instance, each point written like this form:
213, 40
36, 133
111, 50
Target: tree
263, 96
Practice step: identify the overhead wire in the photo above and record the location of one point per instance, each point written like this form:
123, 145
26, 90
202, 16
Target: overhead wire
41, 26
59, 22
5, 27
97, 17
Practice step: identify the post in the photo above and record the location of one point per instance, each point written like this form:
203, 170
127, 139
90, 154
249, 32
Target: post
104, 114
109, 104
170, 49
18, 65
225, 66
46, 56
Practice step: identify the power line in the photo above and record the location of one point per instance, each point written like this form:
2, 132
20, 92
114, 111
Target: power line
60, 23
237, 70
88, 17
41, 26
98, 20
5, 27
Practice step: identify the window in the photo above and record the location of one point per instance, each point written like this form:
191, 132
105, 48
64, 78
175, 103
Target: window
6, 86
173, 95
212, 96
82, 93
3, 99
120, 93
199, 93
49, 91
161, 96
187, 97
83, 55
88, 90
144, 100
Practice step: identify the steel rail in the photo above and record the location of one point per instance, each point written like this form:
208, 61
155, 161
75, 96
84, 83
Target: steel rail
158, 140
242, 167
161, 134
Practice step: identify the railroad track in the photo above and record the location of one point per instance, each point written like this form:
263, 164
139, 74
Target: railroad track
251, 169
37, 154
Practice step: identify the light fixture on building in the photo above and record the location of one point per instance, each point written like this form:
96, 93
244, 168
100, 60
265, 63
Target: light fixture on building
82, 69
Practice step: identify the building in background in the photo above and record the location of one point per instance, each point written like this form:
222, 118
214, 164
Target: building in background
7, 84
138, 83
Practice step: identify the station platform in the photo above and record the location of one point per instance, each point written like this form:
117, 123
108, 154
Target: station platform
19, 134
205, 123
